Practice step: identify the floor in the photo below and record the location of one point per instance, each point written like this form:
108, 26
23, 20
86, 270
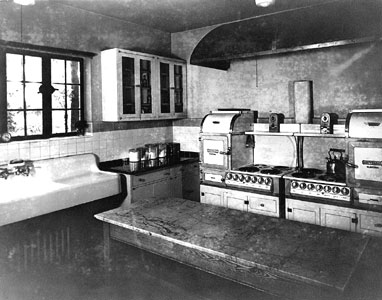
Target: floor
133, 274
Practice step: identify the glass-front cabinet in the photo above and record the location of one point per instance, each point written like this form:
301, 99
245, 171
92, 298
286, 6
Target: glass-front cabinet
139, 86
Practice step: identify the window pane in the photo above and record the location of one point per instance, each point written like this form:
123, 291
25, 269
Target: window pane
58, 97
32, 98
34, 122
33, 69
73, 117
72, 71
58, 121
73, 92
14, 67
15, 97
16, 123
58, 70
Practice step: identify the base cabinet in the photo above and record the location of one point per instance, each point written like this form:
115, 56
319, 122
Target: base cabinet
157, 184
300, 211
239, 200
350, 219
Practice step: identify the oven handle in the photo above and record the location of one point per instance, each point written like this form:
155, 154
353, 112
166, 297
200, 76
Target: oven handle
350, 165
228, 152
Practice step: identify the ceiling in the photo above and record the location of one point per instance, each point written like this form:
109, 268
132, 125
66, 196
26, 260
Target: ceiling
181, 15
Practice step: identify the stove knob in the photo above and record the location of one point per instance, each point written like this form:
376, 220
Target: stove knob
345, 191
241, 177
327, 189
318, 187
336, 190
302, 185
254, 179
310, 186
235, 177
294, 184
268, 181
247, 178
260, 180
229, 176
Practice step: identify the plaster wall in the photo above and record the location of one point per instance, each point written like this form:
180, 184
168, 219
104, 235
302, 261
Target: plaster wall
344, 78
57, 25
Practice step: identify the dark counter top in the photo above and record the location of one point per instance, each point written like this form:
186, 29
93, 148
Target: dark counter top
289, 252
125, 167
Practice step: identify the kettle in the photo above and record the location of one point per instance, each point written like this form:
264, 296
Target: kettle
336, 164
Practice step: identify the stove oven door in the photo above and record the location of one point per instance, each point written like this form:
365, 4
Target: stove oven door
215, 151
365, 164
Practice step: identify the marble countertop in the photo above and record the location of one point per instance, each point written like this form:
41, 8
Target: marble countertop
298, 251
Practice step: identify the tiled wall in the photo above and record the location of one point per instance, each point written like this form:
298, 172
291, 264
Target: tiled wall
107, 145
188, 137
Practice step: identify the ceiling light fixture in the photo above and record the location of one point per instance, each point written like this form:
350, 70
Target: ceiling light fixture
264, 3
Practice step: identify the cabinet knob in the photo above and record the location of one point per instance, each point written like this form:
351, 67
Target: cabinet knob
246, 202
289, 210
354, 220
138, 85
262, 204
141, 179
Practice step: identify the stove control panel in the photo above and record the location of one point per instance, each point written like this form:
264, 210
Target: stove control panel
322, 190
250, 181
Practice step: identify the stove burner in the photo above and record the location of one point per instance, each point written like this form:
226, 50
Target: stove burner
307, 173
282, 167
249, 169
270, 171
303, 175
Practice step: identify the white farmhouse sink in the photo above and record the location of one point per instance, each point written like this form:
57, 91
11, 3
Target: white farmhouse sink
56, 184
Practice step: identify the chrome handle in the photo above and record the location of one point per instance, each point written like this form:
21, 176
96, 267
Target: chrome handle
350, 165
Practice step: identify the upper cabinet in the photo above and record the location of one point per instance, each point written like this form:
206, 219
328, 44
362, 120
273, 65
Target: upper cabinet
140, 86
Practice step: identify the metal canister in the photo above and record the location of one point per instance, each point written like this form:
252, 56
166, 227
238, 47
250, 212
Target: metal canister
162, 154
152, 155
135, 155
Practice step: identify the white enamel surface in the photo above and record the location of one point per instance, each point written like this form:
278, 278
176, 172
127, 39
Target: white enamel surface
54, 185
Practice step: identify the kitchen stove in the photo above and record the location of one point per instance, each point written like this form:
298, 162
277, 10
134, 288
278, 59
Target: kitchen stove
257, 176
316, 183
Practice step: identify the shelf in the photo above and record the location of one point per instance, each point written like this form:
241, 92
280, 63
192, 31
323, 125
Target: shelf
306, 134
321, 135
270, 133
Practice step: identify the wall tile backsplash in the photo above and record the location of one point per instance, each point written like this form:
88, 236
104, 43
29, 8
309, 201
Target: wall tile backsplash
107, 145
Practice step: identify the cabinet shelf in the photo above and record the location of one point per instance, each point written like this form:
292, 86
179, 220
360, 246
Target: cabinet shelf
270, 133
298, 134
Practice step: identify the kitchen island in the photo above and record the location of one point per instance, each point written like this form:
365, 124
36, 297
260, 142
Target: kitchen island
281, 257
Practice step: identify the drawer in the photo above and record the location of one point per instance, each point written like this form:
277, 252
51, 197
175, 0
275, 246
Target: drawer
263, 203
151, 177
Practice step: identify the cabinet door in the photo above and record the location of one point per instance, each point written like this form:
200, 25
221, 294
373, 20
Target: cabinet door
211, 195
191, 181
142, 192
302, 211
147, 86
339, 218
172, 83
236, 200
370, 222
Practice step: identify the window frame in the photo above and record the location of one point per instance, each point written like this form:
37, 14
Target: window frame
46, 57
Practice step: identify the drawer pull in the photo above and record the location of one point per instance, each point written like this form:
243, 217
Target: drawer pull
262, 204
289, 209
378, 225
246, 202
141, 179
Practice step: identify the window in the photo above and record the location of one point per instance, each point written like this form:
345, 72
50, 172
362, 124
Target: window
42, 95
